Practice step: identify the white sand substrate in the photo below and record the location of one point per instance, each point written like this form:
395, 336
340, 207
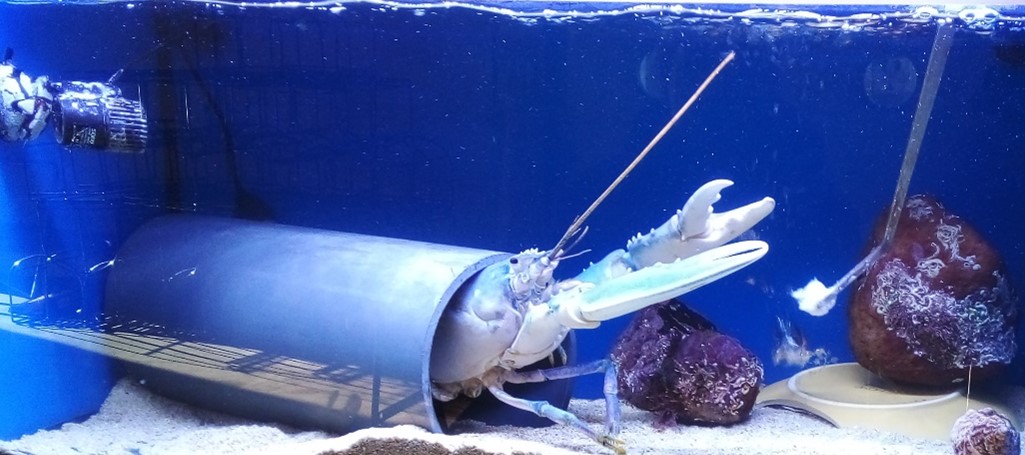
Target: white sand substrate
133, 421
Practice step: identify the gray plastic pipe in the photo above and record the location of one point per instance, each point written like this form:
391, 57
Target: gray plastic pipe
312, 328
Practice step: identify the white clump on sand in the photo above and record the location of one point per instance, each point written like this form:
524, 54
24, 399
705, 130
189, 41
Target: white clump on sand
135, 422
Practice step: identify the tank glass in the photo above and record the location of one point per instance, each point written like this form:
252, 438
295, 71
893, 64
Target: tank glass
488, 125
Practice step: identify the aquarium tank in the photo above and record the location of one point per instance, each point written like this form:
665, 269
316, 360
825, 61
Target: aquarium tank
197, 182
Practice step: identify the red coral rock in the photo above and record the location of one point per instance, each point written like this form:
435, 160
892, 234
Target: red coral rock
935, 304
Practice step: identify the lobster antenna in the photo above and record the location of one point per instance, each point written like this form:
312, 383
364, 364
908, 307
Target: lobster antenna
575, 227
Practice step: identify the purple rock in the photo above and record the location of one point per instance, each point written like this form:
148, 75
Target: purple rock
674, 363
984, 432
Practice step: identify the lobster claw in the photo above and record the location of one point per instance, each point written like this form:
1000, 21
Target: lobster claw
585, 306
696, 227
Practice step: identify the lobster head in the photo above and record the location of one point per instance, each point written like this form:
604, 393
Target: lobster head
530, 275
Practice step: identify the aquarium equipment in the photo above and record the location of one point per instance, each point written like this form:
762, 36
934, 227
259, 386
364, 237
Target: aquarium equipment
96, 115
25, 105
313, 328
815, 298
84, 114
847, 395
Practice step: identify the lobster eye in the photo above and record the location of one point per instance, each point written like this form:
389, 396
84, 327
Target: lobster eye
514, 261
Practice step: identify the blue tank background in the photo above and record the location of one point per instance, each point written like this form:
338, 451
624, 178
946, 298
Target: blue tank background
469, 128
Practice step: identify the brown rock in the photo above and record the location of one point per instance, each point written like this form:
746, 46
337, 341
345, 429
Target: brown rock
934, 304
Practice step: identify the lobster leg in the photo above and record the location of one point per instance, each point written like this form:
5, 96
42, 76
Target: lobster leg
610, 388
544, 409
